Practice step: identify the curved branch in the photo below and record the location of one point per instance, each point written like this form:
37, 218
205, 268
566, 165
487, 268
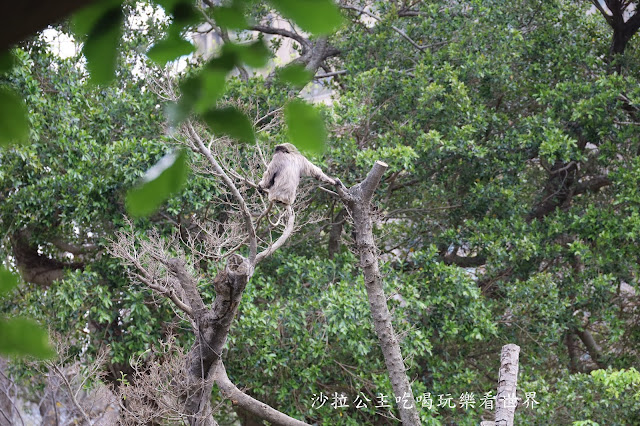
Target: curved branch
165, 292
607, 17
253, 244
288, 230
282, 32
396, 29
250, 404
75, 249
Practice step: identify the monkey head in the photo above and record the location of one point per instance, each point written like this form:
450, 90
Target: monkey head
287, 148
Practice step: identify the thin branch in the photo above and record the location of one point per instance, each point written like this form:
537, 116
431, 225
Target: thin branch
71, 393
330, 74
165, 292
607, 17
253, 245
282, 32
396, 29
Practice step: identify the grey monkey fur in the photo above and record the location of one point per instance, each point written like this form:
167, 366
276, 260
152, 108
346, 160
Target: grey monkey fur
283, 174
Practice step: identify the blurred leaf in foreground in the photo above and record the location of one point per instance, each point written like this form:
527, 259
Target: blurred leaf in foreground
14, 124
170, 49
161, 181
295, 74
305, 126
8, 281
318, 17
22, 336
101, 23
230, 122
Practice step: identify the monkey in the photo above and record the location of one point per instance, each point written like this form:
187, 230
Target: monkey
284, 171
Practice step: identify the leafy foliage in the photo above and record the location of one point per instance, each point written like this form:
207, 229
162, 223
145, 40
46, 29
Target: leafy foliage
510, 212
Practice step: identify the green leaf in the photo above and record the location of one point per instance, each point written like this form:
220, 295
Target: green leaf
230, 17
22, 336
84, 20
231, 122
7, 61
305, 126
199, 93
102, 24
8, 281
255, 54
170, 49
183, 13
212, 88
162, 180
14, 123
295, 74
315, 16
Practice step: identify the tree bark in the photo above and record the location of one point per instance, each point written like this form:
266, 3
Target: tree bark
592, 347
507, 385
212, 329
572, 352
6, 404
358, 201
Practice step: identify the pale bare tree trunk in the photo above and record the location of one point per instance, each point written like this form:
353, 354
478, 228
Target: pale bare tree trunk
507, 384
6, 404
358, 201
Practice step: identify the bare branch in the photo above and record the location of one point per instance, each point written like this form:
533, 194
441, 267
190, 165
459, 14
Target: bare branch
330, 74
71, 393
165, 292
358, 201
253, 246
250, 404
283, 32
371, 182
177, 268
607, 16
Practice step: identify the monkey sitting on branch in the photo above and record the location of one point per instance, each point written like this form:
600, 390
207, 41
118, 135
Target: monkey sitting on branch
284, 172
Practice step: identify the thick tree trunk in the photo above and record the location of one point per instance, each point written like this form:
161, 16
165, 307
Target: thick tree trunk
572, 352
506, 401
212, 329
592, 348
358, 200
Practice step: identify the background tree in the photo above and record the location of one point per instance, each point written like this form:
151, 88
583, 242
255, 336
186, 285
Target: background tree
509, 214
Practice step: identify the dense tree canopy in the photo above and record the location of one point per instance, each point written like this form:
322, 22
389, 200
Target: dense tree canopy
510, 212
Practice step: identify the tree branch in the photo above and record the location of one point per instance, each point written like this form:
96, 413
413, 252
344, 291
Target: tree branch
253, 244
284, 33
371, 182
606, 16
330, 74
592, 347
188, 284
593, 184
396, 29
358, 201
165, 292
250, 404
